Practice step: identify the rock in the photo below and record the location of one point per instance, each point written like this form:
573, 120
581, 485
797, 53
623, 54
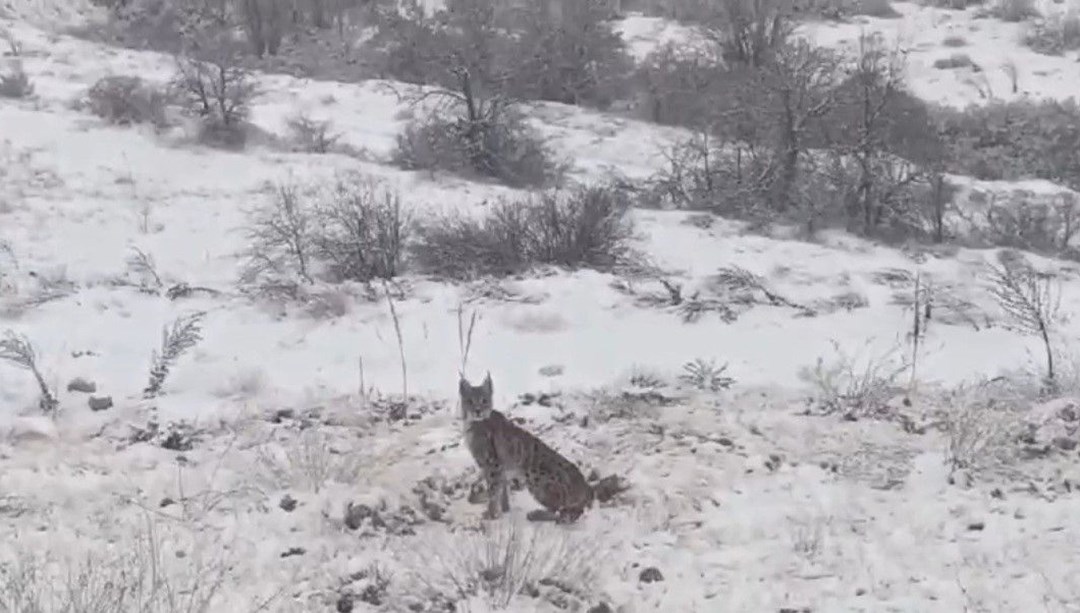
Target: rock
1065, 442
100, 403
603, 607
78, 384
344, 604
287, 504
293, 551
551, 370
650, 574
976, 526
355, 514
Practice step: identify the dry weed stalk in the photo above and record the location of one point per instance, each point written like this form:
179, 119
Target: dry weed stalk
400, 341
17, 349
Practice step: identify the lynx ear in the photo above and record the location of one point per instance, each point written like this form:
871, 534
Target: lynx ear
463, 385
487, 383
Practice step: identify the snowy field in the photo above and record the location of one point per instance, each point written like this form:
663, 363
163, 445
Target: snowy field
284, 473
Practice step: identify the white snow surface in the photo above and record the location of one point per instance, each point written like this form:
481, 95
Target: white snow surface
742, 503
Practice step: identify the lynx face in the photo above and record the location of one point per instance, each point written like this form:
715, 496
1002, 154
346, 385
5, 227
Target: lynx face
476, 400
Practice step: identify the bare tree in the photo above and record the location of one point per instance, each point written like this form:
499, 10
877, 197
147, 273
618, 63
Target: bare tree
796, 90
280, 237
470, 61
750, 32
1031, 299
264, 23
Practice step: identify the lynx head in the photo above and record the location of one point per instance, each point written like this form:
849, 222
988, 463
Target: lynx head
476, 403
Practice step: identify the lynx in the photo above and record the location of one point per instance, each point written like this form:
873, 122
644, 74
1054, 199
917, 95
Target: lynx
504, 451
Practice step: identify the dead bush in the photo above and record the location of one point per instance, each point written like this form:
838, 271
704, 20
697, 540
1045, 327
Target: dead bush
362, 230
494, 143
1054, 35
584, 228
1014, 10
311, 135
123, 99
218, 90
676, 85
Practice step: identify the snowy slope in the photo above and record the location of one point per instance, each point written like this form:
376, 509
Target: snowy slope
740, 503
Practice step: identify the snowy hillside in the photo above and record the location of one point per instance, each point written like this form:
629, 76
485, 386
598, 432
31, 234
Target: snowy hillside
306, 455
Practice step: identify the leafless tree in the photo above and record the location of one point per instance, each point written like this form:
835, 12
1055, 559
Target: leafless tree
1031, 300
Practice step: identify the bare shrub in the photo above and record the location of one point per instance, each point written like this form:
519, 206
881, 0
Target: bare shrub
472, 125
1055, 34
311, 135
218, 90
363, 230
1025, 220
954, 61
491, 141
308, 461
17, 350
855, 386
1030, 299
493, 568
572, 55
677, 85
355, 230
185, 333
586, 227
123, 99
751, 32
982, 422
280, 239
1018, 139
705, 375
154, 567
15, 83
264, 23
1014, 10
881, 9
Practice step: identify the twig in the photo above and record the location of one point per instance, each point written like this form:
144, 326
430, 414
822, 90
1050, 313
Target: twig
465, 336
400, 340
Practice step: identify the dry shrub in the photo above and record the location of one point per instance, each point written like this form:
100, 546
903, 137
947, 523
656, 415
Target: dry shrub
956, 60
312, 135
586, 227
1014, 11
1054, 35
500, 146
124, 99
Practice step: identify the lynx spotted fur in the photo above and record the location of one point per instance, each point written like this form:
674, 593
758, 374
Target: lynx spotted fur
504, 451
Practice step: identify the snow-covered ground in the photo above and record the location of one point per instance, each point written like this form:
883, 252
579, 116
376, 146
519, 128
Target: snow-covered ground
283, 416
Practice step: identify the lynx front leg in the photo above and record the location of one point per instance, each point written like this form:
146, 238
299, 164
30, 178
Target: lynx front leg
498, 498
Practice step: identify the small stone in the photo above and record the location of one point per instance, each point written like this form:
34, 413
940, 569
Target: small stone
344, 604
650, 574
1066, 443
976, 526
551, 370
287, 504
603, 607
860, 591
293, 551
100, 403
166, 502
78, 384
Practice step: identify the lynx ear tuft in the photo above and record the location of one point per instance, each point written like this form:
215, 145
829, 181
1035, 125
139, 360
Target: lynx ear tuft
487, 383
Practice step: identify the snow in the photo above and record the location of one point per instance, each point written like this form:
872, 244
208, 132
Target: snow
855, 516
